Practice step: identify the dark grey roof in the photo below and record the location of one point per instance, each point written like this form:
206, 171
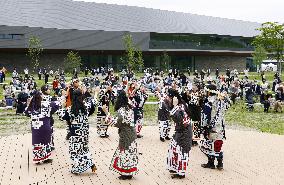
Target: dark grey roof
67, 14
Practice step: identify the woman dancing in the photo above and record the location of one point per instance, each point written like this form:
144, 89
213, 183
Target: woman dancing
125, 158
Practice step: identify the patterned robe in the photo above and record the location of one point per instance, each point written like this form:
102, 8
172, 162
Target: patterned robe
195, 114
125, 159
164, 117
212, 120
178, 153
104, 99
79, 139
138, 100
42, 129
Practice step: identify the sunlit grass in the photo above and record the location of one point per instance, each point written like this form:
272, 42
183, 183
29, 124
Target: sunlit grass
237, 115
265, 122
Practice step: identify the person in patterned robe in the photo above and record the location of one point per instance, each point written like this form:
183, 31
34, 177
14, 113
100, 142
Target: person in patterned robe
40, 109
180, 145
125, 159
104, 100
195, 114
79, 133
139, 100
164, 115
213, 124
69, 96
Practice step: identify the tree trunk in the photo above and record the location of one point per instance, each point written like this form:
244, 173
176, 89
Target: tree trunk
280, 67
279, 62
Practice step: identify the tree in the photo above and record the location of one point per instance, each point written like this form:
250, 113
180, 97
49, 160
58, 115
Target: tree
271, 38
72, 61
259, 55
165, 60
139, 60
133, 57
34, 51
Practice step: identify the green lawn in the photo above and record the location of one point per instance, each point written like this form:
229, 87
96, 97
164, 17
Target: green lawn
265, 122
269, 76
237, 114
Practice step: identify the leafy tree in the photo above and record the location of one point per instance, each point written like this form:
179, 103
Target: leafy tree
130, 51
271, 38
139, 60
165, 60
72, 61
259, 55
122, 62
34, 51
133, 57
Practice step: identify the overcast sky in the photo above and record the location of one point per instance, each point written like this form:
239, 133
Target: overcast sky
249, 10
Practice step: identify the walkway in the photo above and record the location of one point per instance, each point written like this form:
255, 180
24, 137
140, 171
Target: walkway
250, 158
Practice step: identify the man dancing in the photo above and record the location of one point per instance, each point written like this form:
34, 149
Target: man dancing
213, 123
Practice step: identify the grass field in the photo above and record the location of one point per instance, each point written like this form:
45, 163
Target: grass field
265, 122
237, 115
269, 76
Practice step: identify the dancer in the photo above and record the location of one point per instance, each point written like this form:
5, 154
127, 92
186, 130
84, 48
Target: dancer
164, 116
69, 97
104, 99
178, 153
79, 134
125, 159
195, 114
213, 123
139, 100
40, 109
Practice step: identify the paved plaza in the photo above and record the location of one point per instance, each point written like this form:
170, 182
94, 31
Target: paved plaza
250, 158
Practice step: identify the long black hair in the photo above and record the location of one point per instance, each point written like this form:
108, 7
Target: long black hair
174, 93
122, 101
35, 103
77, 103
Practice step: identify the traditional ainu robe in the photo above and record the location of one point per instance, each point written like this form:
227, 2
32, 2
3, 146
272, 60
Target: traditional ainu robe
42, 129
178, 153
139, 99
164, 117
125, 159
212, 120
102, 126
195, 115
79, 139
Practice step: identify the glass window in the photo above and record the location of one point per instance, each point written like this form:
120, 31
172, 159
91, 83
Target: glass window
181, 62
17, 36
202, 42
11, 36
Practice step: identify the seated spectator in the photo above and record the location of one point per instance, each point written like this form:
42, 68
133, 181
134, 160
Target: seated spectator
8, 94
279, 99
265, 99
21, 102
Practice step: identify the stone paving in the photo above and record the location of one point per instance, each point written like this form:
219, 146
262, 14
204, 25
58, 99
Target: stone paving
250, 158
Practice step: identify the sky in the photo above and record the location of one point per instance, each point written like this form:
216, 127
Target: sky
248, 10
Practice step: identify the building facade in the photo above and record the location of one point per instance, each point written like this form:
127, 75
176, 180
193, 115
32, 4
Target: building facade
96, 30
